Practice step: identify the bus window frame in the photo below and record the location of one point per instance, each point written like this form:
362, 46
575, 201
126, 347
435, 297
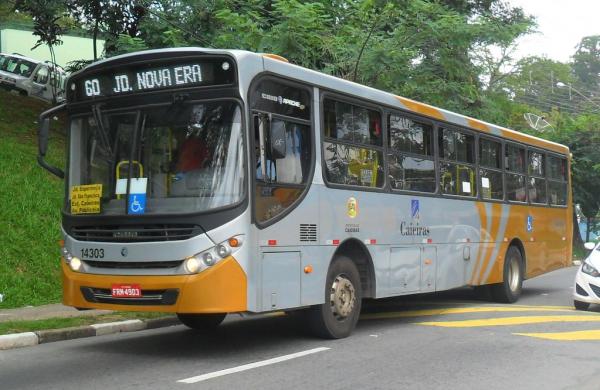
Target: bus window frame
566, 180
389, 151
544, 154
251, 145
525, 174
236, 208
500, 170
475, 164
324, 94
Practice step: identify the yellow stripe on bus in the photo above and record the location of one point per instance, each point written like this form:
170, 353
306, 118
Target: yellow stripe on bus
566, 336
512, 321
461, 310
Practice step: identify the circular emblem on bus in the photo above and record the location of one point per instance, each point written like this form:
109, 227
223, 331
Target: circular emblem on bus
352, 207
124, 252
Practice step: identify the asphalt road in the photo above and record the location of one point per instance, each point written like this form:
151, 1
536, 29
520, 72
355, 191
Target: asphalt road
437, 341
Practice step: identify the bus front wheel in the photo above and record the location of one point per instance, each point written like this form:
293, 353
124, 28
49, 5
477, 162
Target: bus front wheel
201, 321
337, 317
509, 290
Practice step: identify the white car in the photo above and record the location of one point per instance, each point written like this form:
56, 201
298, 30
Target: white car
587, 280
32, 77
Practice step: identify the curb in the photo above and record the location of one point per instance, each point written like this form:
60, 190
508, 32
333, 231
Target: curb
27, 339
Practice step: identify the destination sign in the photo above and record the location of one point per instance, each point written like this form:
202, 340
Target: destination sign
145, 78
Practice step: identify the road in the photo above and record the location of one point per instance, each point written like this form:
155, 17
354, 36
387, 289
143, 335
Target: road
437, 341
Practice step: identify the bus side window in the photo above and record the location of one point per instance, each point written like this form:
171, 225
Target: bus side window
286, 166
457, 155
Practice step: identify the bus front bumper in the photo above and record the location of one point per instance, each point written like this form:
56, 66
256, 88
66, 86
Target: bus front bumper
219, 289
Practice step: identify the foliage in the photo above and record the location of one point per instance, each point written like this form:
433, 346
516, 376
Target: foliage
46, 15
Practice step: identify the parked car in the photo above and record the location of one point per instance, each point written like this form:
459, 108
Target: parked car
27, 76
587, 280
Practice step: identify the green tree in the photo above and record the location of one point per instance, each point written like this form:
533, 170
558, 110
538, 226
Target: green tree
586, 62
46, 15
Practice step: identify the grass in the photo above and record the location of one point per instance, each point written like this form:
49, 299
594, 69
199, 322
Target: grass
11, 327
30, 203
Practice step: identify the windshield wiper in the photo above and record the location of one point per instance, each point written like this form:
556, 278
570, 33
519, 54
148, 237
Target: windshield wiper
104, 137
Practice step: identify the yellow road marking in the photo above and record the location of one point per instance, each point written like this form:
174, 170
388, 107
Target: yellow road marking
462, 310
513, 321
566, 336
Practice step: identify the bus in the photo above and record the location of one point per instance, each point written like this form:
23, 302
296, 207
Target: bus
204, 182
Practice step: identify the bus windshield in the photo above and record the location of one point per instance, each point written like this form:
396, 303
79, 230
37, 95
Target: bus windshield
182, 158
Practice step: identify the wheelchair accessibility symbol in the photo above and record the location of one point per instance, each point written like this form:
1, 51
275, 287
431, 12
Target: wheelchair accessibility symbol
529, 223
136, 203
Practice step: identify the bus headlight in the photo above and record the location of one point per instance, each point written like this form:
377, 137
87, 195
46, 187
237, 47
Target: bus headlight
75, 264
223, 251
192, 264
212, 256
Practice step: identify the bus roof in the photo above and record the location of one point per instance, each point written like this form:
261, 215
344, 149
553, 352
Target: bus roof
279, 65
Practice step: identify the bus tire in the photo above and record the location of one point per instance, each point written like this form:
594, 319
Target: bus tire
509, 290
201, 321
581, 305
337, 317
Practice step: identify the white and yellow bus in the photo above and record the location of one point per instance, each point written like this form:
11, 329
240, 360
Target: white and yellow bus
204, 182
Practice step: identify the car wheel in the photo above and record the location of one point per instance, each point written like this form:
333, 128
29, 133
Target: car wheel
201, 321
581, 305
337, 317
509, 290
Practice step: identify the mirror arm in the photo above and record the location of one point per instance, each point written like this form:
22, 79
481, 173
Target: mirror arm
43, 135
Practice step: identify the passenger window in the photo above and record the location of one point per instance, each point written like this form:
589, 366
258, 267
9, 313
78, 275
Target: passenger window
490, 154
491, 184
457, 151
456, 146
557, 168
353, 165
406, 135
515, 159
347, 122
490, 174
537, 181
410, 161
515, 188
536, 164
557, 181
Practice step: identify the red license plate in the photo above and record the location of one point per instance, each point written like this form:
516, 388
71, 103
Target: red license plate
126, 291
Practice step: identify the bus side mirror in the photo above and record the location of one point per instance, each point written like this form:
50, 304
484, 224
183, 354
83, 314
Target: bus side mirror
43, 134
589, 245
277, 139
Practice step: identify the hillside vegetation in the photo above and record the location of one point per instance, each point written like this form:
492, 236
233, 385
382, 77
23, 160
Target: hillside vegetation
30, 202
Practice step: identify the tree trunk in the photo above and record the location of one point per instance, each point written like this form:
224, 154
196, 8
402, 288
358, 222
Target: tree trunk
95, 39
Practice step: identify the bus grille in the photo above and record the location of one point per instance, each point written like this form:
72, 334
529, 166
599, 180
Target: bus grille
308, 232
148, 298
134, 265
135, 233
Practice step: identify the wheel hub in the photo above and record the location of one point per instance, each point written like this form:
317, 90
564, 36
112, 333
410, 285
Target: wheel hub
513, 274
342, 297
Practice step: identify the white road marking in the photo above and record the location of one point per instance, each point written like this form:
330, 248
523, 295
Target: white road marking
245, 367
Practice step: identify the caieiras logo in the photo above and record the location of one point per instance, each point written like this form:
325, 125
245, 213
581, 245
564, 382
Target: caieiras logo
413, 228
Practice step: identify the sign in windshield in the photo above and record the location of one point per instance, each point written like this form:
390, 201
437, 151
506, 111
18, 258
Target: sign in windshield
151, 77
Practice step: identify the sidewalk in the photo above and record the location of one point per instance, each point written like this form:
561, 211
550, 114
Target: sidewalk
27, 339
56, 310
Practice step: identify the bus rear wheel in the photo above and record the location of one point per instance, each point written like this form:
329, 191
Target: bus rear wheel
509, 290
337, 317
201, 321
